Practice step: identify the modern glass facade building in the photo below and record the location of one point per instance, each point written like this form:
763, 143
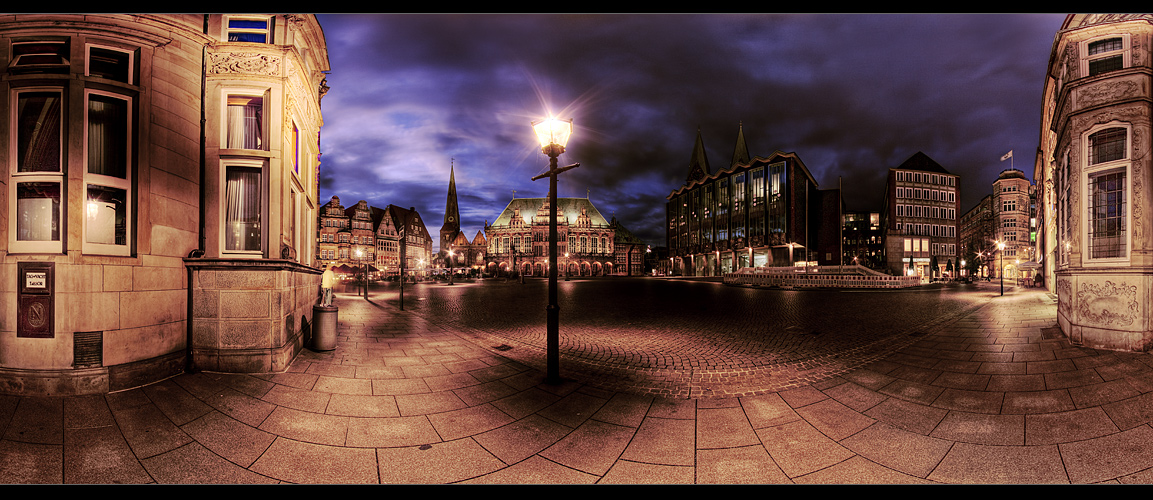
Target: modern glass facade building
763, 211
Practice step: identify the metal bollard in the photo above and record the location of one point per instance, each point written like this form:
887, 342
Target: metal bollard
324, 327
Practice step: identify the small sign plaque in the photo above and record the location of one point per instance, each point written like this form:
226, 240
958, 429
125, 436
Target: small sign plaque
35, 279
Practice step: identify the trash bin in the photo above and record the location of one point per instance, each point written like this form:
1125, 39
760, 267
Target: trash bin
324, 327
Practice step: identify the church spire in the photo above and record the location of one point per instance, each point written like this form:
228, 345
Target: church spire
699, 163
741, 151
451, 225
451, 210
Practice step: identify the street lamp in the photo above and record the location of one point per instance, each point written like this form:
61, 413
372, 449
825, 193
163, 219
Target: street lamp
360, 257
449, 266
553, 134
566, 266
1001, 271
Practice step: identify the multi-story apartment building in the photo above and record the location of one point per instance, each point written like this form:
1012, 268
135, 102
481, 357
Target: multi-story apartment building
1094, 165
332, 236
414, 244
361, 233
920, 219
365, 235
978, 240
863, 239
1013, 223
387, 241
757, 212
160, 185
629, 251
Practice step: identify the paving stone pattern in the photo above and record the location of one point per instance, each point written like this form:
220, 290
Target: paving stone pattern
993, 394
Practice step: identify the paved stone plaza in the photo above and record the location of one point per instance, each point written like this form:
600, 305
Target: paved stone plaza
946, 384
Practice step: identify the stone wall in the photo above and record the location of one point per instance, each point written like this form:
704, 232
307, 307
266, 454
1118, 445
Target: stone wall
250, 316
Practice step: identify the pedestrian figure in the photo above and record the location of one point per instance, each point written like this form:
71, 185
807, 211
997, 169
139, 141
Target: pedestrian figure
326, 282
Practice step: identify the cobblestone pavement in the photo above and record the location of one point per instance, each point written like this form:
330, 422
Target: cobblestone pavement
990, 394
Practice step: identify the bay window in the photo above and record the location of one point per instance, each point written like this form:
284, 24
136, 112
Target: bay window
1105, 191
255, 29
243, 206
108, 174
110, 63
37, 173
245, 122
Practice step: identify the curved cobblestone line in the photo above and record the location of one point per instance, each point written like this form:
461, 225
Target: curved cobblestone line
746, 381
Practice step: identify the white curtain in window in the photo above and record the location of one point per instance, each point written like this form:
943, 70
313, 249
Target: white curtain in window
244, 123
242, 224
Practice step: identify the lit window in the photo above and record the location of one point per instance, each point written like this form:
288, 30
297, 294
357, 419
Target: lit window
243, 207
249, 29
245, 122
108, 175
36, 171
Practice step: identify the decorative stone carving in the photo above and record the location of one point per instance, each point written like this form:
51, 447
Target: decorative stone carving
1137, 200
254, 64
1064, 294
1105, 92
1108, 304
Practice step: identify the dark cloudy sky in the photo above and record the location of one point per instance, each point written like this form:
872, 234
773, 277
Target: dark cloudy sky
852, 95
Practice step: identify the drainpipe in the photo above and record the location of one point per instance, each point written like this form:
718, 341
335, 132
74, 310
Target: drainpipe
201, 245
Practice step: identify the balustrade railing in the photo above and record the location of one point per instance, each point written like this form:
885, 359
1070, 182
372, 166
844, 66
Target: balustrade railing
853, 276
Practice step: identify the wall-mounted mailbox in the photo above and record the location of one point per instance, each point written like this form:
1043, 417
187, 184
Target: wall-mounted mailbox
37, 296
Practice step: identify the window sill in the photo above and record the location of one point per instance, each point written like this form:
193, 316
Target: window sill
248, 153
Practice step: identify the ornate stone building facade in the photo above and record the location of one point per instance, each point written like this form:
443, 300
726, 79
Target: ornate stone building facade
159, 193
518, 241
1093, 170
363, 234
1014, 224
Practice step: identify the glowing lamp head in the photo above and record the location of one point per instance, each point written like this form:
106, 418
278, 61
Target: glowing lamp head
553, 131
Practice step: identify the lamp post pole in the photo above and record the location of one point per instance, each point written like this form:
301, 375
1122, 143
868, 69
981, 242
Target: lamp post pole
449, 255
1001, 266
553, 135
